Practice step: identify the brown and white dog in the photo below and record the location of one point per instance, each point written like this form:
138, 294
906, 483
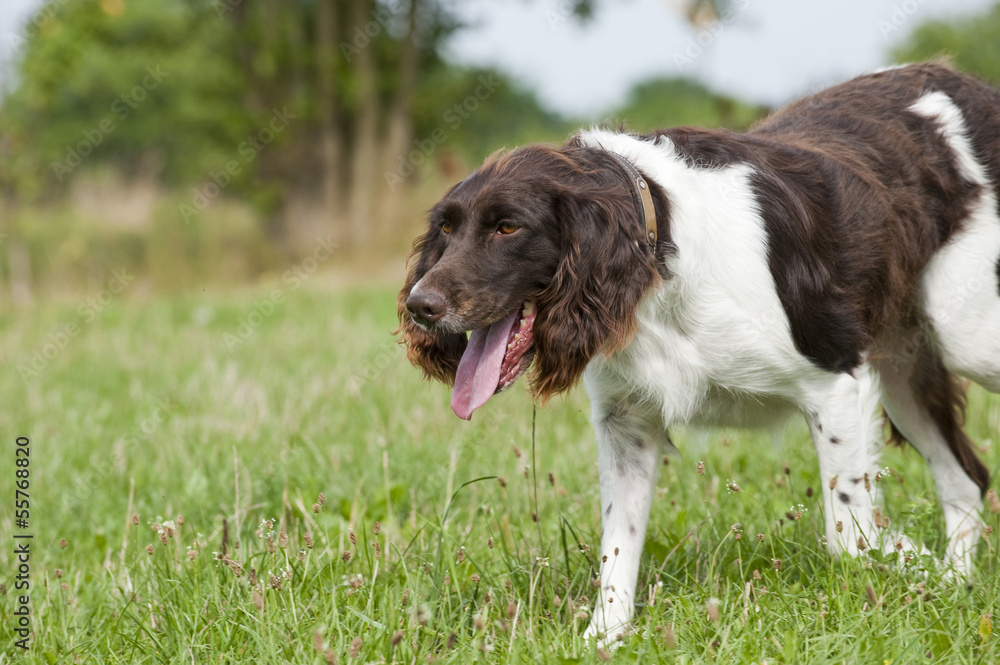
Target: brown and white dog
842, 254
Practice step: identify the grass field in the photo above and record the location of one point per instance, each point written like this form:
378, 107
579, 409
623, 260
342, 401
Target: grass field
262, 478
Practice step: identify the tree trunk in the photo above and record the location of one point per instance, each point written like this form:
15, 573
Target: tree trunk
365, 149
330, 145
399, 130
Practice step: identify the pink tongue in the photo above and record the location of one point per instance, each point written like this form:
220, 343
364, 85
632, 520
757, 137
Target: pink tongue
478, 372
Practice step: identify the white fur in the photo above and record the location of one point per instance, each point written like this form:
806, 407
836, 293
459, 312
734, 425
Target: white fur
713, 347
960, 282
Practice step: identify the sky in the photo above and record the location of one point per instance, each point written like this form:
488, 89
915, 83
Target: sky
763, 51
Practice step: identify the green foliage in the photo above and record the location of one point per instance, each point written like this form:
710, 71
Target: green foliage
972, 43
672, 102
315, 396
139, 84
482, 110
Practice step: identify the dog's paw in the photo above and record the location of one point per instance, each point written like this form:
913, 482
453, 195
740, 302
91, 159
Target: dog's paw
607, 631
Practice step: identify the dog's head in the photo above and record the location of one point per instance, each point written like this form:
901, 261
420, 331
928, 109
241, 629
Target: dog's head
540, 254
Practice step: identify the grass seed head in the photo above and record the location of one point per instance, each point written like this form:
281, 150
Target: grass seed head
149, 550
321, 499
397, 637
318, 641
345, 556
135, 518
282, 540
669, 636
503, 483
58, 572
872, 596
833, 482
777, 564
355, 648
700, 468
712, 610
452, 640
316, 508
308, 540
993, 501
603, 655
376, 528
862, 545
511, 609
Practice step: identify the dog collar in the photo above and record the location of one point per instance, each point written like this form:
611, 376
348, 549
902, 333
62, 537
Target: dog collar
642, 198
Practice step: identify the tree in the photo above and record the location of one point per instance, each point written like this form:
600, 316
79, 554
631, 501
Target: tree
972, 43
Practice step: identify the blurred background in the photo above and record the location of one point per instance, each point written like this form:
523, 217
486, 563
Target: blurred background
215, 143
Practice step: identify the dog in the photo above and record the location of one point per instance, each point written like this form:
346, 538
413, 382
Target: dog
841, 256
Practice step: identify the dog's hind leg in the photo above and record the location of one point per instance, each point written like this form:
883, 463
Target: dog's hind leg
629, 454
844, 418
925, 404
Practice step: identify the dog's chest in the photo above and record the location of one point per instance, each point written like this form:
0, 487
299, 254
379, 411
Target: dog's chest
721, 368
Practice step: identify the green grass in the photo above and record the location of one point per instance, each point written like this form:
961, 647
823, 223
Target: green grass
318, 399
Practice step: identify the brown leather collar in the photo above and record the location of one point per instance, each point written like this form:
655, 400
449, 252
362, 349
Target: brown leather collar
642, 197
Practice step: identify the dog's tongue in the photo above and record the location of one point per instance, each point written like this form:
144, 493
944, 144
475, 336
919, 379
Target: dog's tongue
478, 373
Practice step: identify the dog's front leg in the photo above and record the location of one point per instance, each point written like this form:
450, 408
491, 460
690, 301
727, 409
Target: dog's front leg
629, 451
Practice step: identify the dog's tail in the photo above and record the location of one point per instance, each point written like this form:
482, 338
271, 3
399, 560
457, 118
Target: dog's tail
941, 395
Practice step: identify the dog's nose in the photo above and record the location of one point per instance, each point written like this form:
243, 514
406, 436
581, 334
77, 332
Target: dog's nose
426, 306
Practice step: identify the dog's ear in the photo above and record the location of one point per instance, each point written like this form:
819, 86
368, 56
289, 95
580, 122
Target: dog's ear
437, 354
604, 270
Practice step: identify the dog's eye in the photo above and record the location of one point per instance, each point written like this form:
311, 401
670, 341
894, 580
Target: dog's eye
506, 228
446, 227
